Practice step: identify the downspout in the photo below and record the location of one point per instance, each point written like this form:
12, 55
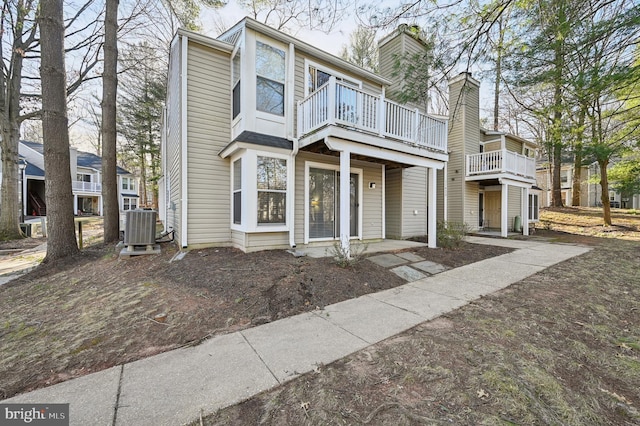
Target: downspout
183, 142
291, 187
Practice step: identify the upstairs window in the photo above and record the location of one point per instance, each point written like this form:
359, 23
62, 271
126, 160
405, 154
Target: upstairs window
235, 71
270, 78
83, 177
128, 184
317, 78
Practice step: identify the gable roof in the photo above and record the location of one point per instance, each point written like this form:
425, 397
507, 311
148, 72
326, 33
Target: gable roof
84, 159
302, 46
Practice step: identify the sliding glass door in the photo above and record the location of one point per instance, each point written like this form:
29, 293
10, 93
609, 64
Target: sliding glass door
324, 204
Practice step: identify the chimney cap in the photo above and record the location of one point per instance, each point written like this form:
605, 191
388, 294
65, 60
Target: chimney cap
464, 76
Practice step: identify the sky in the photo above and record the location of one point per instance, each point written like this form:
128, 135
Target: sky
232, 13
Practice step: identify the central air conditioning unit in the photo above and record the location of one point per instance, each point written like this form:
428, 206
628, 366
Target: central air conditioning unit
140, 228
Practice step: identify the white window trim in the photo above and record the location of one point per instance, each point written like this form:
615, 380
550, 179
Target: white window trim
254, 78
336, 167
249, 214
330, 71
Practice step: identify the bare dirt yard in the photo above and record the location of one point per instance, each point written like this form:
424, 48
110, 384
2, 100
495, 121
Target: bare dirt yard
560, 347
97, 310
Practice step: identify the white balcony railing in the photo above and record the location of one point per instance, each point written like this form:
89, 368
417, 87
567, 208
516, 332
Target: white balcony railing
339, 103
81, 186
501, 161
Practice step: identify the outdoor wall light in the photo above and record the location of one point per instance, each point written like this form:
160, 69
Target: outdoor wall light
372, 185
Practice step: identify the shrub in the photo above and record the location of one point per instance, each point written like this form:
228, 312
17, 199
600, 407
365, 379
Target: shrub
341, 257
451, 234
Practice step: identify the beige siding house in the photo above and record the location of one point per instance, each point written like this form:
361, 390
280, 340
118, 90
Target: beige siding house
270, 142
489, 181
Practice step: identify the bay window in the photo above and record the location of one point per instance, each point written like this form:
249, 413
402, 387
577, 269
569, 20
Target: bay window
259, 183
272, 190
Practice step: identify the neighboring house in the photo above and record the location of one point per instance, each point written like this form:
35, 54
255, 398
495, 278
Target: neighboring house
590, 189
260, 127
489, 181
85, 181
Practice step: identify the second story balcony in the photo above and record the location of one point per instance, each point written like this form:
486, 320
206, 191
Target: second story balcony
341, 104
80, 186
500, 163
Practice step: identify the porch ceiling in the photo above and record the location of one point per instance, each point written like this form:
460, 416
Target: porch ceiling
320, 147
495, 179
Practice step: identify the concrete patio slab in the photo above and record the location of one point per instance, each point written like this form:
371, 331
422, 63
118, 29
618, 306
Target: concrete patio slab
91, 398
297, 344
430, 267
372, 247
172, 388
387, 260
369, 318
408, 273
424, 303
411, 257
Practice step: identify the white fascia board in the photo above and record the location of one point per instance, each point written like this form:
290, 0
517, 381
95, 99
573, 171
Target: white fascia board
519, 184
336, 144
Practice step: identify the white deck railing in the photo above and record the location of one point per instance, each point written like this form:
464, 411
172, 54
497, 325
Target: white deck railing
81, 186
501, 161
339, 103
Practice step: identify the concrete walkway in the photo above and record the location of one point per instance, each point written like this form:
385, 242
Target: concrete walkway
14, 264
175, 387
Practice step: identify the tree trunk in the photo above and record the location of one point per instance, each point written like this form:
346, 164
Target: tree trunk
558, 75
109, 146
604, 184
61, 240
496, 92
10, 122
577, 162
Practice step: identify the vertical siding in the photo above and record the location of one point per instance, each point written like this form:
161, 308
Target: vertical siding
393, 201
414, 189
471, 213
440, 194
266, 241
515, 205
174, 141
209, 130
371, 200
464, 138
514, 146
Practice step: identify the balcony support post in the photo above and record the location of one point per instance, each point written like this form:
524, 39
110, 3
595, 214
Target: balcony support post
431, 208
345, 201
525, 211
504, 211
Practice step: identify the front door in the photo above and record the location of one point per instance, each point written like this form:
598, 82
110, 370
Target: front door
493, 208
324, 204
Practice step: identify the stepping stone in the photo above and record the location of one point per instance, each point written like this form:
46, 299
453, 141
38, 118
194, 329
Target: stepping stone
387, 260
430, 267
411, 257
408, 273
